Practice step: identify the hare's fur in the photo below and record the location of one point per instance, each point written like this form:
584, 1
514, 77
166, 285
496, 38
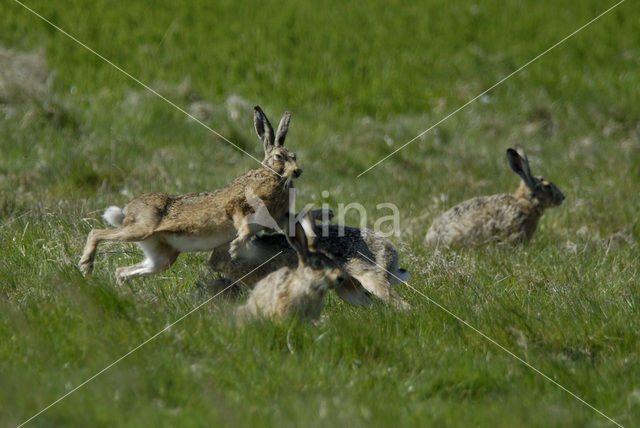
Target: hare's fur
369, 260
165, 225
294, 291
509, 218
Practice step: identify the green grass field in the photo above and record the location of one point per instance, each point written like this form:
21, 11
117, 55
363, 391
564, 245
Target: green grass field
361, 78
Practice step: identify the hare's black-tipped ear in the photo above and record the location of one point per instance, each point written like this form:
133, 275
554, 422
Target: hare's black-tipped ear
283, 128
301, 242
263, 128
525, 159
309, 225
520, 166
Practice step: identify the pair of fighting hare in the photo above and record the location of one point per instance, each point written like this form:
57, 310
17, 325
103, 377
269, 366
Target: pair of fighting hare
369, 261
353, 262
223, 221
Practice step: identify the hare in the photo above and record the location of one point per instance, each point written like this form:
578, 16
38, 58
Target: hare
504, 217
369, 260
294, 291
165, 225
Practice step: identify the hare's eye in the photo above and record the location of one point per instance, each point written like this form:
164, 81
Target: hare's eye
317, 264
278, 156
293, 156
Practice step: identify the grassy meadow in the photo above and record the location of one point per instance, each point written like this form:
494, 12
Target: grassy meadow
361, 79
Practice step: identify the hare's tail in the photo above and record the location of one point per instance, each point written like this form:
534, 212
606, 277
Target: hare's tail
114, 216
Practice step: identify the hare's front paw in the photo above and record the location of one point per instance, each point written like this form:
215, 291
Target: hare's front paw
235, 248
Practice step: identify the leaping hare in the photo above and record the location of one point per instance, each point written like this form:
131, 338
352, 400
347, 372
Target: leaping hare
369, 260
166, 225
297, 291
504, 217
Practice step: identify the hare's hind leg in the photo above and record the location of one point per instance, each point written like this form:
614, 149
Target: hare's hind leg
157, 258
378, 285
127, 233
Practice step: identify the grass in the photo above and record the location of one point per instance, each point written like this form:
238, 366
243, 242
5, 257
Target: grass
360, 79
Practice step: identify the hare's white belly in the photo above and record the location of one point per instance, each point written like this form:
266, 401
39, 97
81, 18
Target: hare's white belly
189, 243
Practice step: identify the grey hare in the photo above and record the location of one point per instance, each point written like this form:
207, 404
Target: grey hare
510, 218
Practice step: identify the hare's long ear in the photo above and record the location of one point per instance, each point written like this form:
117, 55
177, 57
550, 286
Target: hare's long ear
299, 243
309, 225
523, 155
302, 243
520, 166
283, 128
263, 128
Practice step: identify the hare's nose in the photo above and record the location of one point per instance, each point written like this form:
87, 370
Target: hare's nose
297, 172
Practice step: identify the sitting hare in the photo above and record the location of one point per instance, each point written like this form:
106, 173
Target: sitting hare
294, 291
165, 225
504, 217
369, 260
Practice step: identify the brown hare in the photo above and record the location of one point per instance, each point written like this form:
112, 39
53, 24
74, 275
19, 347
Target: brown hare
369, 260
294, 291
166, 225
504, 217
